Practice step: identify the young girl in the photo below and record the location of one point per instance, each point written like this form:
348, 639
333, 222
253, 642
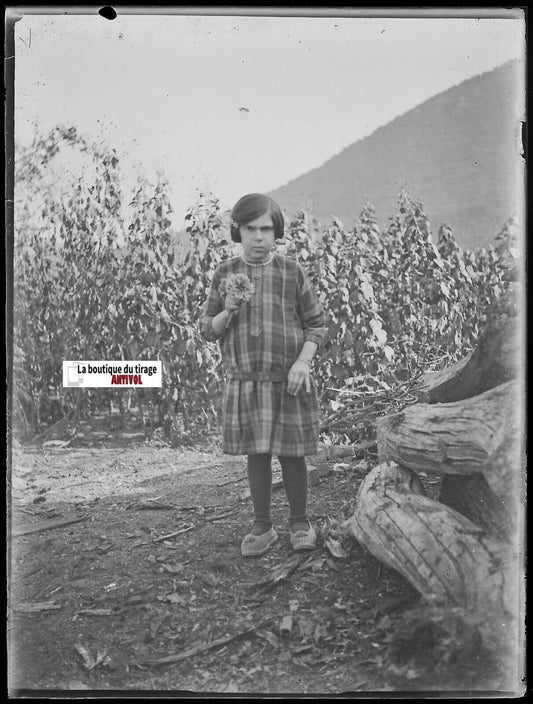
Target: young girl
268, 343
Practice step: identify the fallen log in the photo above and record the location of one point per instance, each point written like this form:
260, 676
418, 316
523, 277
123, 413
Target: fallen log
464, 437
437, 549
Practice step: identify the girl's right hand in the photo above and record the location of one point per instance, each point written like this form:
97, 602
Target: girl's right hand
231, 304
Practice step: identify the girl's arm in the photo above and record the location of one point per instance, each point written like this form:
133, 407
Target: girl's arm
215, 313
307, 352
300, 373
313, 320
220, 321
310, 312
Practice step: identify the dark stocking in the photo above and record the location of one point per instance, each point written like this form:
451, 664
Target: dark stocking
294, 473
260, 482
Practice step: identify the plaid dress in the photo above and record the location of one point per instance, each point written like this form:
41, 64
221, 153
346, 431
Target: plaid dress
259, 347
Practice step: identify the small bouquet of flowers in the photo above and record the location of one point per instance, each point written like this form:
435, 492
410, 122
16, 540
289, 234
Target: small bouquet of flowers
237, 285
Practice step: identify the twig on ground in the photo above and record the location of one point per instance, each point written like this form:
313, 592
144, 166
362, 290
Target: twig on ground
378, 573
221, 515
232, 481
25, 528
154, 506
202, 467
35, 607
197, 508
94, 612
24, 510
173, 535
178, 657
87, 481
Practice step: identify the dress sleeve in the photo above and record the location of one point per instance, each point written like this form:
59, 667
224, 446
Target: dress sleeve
212, 306
310, 310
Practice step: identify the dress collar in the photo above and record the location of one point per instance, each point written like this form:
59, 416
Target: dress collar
259, 263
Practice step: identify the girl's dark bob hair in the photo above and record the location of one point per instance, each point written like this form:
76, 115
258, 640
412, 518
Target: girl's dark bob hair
251, 207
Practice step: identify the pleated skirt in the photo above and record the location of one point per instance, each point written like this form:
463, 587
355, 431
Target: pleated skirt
261, 417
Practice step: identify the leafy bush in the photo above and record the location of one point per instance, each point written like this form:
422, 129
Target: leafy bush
96, 277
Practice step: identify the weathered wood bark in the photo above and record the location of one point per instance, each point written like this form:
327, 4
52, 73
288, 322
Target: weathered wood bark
438, 550
495, 360
464, 437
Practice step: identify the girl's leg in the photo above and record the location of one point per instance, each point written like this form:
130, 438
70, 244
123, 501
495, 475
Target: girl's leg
260, 482
294, 473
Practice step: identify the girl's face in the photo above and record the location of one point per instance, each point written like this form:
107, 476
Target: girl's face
257, 238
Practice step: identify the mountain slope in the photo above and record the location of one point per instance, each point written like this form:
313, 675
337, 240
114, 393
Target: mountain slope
456, 153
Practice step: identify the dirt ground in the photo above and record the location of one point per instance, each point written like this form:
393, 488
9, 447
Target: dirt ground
149, 568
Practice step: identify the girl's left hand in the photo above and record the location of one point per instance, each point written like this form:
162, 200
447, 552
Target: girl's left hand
299, 375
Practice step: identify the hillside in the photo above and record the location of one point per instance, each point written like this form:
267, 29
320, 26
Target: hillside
456, 153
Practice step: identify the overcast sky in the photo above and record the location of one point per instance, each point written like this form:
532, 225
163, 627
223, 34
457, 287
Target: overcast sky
236, 103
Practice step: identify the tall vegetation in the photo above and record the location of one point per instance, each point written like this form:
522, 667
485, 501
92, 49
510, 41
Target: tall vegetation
96, 277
